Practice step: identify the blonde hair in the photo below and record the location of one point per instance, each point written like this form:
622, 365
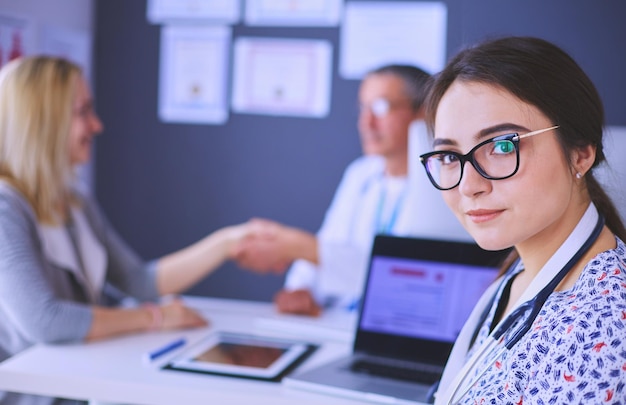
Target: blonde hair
36, 102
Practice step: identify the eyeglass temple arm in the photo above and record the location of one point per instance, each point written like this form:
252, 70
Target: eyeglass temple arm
537, 132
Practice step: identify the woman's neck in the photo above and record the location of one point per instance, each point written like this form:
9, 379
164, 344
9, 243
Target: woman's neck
556, 244
538, 249
62, 211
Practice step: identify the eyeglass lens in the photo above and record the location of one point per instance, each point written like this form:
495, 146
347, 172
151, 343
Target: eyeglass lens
495, 159
380, 107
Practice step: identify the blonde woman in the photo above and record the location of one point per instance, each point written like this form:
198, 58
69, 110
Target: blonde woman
57, 250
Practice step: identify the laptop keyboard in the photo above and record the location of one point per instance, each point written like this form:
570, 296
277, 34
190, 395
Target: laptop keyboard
419, 373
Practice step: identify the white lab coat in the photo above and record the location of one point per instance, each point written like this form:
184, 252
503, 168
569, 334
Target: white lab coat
350, 224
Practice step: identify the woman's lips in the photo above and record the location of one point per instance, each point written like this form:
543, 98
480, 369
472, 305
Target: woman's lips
479, 216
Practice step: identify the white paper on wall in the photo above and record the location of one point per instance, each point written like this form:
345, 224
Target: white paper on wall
378, 33
193, 74
288, 77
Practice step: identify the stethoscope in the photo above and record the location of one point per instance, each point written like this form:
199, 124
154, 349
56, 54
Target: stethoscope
534, 305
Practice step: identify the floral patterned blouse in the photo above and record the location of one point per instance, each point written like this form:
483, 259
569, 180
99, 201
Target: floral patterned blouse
575, 352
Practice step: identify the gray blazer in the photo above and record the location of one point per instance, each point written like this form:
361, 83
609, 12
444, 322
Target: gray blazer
43, 303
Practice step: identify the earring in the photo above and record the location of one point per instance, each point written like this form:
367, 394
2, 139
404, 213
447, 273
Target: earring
579, 175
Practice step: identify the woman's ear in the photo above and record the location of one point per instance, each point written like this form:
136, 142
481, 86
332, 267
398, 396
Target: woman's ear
583, 159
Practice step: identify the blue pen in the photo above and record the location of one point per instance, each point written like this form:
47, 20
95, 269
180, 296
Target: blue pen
354, 305
155, 354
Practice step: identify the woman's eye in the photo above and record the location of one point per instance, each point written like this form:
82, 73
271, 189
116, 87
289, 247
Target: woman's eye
447, 159
503, 147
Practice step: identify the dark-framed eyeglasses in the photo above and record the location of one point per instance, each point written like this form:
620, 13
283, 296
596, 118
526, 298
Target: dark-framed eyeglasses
494, 159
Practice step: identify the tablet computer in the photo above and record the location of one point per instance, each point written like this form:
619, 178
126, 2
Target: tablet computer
242, 355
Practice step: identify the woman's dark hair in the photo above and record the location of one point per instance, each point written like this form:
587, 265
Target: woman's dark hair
543, 75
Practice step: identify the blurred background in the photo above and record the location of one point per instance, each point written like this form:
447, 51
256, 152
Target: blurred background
164, 183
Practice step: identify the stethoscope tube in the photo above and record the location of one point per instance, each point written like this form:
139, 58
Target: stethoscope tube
540, 299
535, 304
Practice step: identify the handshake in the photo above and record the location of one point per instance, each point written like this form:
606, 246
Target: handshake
266, 246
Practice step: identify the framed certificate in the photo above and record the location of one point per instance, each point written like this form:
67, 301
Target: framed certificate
244, 356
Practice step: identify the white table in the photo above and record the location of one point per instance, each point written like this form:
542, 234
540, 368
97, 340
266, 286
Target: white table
113, 371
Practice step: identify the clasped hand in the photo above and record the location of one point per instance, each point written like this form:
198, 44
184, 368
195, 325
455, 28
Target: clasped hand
265, 248
269, 246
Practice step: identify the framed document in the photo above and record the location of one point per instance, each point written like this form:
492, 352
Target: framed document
216, 11
244, 356
376, 33
193, 74
283, 77
295, 13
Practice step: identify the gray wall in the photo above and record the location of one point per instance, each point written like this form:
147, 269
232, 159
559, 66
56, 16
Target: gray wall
71, 14
166, 185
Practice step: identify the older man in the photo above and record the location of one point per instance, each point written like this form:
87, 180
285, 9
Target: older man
329, 267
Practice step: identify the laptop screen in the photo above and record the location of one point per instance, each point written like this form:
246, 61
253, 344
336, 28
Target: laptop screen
422, 298
418, 295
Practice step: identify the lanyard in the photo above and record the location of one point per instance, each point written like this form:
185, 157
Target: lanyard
386, 227
515, 325
369, 207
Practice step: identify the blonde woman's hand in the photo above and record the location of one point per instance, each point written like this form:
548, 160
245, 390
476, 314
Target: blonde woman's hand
176, 315
236, 235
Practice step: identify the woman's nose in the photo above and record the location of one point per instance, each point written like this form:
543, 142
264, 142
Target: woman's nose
472, 183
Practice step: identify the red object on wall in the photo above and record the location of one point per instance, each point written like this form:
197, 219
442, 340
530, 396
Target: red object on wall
16, 46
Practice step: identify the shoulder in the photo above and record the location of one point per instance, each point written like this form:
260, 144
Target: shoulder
367, 162
577, 339
606, 280
360, 174
605, 274
601, 289
18, 222
597, 301
12, 202
365, 166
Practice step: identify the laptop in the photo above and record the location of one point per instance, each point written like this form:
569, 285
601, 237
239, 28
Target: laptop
417, 296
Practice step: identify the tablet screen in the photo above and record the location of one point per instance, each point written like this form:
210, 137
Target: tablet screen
241, 355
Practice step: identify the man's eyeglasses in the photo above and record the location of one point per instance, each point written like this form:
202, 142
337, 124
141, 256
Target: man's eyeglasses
381, 106
494, 159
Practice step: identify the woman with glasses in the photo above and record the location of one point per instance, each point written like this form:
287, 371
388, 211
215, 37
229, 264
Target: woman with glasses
58, 253
517, 132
